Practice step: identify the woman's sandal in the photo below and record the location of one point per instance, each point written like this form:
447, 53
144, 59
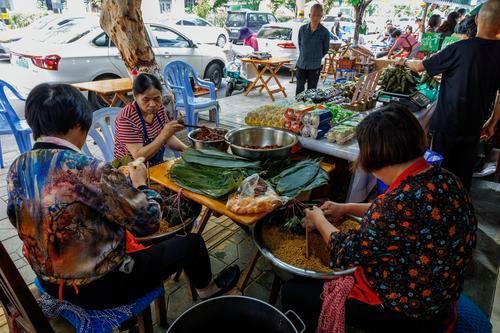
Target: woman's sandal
226, 281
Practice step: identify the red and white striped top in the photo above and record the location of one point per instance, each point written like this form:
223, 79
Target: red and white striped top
129, 128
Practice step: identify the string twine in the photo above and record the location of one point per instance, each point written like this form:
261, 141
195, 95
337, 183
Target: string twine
335, 292
177, 202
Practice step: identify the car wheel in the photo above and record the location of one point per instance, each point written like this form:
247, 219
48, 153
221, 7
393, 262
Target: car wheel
229, 89
221, 41
97, 102
214, 74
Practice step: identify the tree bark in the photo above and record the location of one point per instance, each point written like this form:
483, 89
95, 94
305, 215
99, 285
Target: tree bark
359, 13
122, 21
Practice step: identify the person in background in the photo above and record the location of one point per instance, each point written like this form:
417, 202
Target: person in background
389, 43
419, 28
337, 26
384, 36
249, 38
76, 214
448, 27
462, 13
143, 128
434, 23
469, 86
403, 43
414, 243
314, 43
409, 30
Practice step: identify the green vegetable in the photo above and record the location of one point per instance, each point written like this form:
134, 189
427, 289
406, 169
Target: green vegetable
121, 162
211, 181
216, 158
302, 176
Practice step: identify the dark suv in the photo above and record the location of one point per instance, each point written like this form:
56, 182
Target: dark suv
246, 18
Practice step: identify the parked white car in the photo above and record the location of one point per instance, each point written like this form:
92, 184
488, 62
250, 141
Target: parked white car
200, 29
282, 39
37, 30
347, 25
80, 53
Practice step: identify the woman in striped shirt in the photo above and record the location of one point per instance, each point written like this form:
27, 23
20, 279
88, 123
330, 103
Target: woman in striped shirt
143, 129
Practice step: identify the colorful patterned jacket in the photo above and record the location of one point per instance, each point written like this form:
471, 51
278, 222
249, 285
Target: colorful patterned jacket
71, 212
414, 244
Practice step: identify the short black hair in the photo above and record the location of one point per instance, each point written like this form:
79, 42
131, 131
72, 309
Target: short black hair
145, 81
396, 33
388, 136
54, 109
462, 11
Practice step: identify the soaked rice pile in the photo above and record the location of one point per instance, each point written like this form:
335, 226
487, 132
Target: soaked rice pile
291, 248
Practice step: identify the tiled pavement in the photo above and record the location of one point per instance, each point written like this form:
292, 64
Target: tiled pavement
228, 244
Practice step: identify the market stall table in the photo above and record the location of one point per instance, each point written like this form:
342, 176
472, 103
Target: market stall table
160, 175
110, 91
272, 66
115, 90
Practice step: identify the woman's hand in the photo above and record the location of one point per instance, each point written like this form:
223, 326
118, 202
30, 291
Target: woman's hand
170, 129
333, 210
489, 128
312, 217
138, 174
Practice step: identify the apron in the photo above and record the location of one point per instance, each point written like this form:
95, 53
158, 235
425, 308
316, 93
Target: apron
158, 157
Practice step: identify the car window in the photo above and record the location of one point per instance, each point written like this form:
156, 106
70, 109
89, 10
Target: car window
200, 23
67, 33
271, 18
257, 20
236, 20
102, 40
329, 19
179, 22
39, 24
275, 33
188, 22
168, 38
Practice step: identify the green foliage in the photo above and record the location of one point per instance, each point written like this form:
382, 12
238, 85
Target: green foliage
217, 19
19, 20
202, 8
275, 4
97, 4
371, 9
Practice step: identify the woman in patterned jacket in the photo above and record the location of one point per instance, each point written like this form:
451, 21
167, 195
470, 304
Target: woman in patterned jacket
414, 242
74, 214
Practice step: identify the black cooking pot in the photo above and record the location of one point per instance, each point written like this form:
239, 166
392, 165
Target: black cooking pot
242, 314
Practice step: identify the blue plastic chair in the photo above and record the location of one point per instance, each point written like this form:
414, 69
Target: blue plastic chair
177, 76
107, 320
10, 123
102, 132
470, 318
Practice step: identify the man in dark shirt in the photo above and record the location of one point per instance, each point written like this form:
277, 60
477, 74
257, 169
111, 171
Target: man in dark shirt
314, 42
470, 82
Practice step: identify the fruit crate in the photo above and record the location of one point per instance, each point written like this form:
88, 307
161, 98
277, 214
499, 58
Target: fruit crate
346, 63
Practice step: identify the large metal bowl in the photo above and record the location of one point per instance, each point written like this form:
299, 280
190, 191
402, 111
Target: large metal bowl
284, 267
261, 136
221, 145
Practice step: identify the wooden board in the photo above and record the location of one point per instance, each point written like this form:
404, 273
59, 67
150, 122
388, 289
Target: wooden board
106, 86
159, 174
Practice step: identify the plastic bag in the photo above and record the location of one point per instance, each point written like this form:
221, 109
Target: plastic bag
254, 196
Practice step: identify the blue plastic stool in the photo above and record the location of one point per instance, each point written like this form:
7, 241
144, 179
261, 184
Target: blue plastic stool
95, 321
471, 318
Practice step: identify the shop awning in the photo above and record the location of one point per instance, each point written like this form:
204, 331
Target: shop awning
451, 2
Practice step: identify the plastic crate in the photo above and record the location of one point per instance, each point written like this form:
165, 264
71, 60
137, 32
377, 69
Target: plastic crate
345, 63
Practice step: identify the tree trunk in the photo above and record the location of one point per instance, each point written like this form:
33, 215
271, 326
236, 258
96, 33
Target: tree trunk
359, 13
122, 21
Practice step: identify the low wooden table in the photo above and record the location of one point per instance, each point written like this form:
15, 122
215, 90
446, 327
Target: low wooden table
272, 66
111, 91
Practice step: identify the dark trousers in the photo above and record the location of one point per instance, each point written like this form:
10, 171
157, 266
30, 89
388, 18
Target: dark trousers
459, 155
304, 297
309, 76
152, 266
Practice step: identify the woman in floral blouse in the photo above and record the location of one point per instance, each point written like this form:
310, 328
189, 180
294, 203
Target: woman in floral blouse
74, 214
414, 242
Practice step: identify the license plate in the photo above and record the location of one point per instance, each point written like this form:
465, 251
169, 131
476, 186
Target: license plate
22, 62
